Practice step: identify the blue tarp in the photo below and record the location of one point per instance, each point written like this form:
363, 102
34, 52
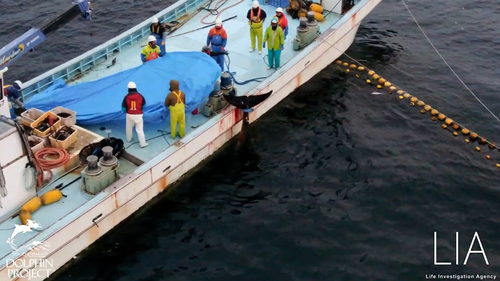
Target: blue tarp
99, 101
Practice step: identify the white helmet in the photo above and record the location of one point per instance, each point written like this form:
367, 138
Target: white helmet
255, 4
131, 85
279, 10
155, 20
19, 84
218, 22
151, 38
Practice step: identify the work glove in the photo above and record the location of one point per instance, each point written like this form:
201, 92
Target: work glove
281, 46
264, 45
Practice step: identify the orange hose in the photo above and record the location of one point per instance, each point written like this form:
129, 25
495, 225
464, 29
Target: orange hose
219, 12
44, 164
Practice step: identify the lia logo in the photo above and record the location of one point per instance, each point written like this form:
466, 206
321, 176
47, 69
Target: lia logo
470, 251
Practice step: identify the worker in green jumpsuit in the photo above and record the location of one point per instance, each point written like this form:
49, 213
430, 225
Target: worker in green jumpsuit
275, 40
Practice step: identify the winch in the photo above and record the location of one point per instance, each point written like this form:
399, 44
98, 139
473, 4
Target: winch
307, 32
100, 173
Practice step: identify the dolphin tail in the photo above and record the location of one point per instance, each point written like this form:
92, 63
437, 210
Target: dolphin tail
246, 103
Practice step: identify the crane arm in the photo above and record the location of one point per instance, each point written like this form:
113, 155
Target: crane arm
33, 37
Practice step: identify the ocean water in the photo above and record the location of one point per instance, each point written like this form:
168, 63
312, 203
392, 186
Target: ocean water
352, 185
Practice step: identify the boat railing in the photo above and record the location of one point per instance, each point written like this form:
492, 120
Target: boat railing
80, 65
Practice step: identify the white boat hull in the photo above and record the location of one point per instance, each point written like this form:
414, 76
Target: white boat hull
127, 195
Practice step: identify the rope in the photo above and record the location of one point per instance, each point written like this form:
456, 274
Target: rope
44, 163
446, 63
215, 12
257, 79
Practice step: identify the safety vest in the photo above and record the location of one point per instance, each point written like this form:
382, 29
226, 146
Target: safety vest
255, 19
151, 53
155, 29
152, 56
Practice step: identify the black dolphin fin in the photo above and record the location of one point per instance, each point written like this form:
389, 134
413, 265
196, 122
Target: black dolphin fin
246, 102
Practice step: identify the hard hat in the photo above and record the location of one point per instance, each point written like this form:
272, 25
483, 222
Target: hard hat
151, 38
279, 10
218, 22
274, 20
155, 20
255, 4
131, 85
19, 84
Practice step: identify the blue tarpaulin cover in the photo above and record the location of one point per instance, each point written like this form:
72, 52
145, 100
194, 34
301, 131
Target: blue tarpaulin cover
99, 101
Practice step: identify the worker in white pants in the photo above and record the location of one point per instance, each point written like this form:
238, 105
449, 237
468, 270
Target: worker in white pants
132, 104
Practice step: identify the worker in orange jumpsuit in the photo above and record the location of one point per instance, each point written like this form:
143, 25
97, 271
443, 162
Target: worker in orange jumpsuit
217, 40
282, 21
151, 51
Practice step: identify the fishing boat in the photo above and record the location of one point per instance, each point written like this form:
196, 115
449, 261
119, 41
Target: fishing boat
51, 210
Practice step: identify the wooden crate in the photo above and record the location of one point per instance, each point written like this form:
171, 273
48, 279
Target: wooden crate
65, 121
47, 132
69, 141
30, 115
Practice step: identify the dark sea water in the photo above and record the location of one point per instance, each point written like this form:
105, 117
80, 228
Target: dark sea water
353, 185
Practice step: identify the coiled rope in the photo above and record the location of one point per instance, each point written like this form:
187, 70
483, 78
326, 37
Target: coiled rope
50, 158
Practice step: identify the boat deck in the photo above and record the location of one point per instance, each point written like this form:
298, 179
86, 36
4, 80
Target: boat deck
246, 65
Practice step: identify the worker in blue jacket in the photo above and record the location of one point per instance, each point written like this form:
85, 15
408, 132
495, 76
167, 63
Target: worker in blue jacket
13, 92
217, 40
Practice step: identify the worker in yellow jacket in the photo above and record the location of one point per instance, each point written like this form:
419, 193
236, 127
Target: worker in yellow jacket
256, 17
176, 103
275, 40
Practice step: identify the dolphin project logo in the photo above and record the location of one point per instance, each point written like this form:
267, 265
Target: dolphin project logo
34, 264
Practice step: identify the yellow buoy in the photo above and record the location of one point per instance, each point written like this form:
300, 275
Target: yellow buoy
338, 62
441, 116
347, 70
375, 76
387, 84
24, 216
444, 126
455, 134
379, 86
456, 126
465, 131
345, 64
381, 80
406, 96
491, 145
352, 66
478, 148
473, 136
467, 140
482, 141
433, 118
371, 72
427, 107
51, 197
361, 68
392, 88
400, 92
420, 103
434, 112
413, 99
488, 157
31, 206
401, 97
412, 104
368, 81
357, 75
498, 165
422, 111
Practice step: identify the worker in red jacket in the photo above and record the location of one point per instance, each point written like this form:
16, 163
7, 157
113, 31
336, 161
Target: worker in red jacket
282, 21
133, 104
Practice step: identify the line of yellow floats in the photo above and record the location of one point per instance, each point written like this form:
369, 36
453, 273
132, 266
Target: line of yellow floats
380, 82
